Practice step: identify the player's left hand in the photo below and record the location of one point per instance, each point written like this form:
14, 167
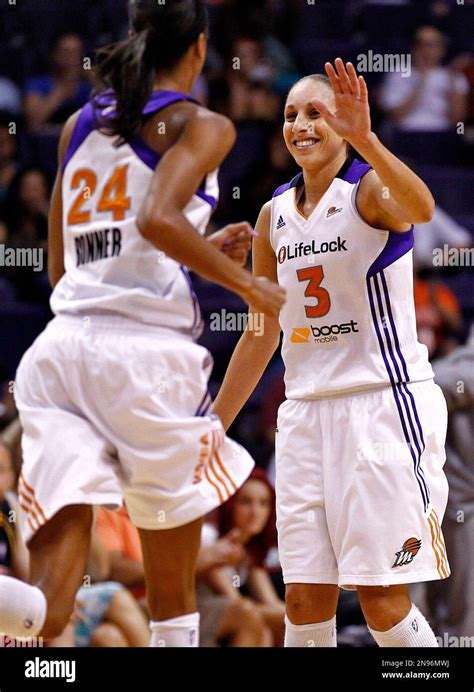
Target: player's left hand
351, 119
234, 240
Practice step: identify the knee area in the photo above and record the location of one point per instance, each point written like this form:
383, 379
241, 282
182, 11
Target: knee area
306, 604
382, 608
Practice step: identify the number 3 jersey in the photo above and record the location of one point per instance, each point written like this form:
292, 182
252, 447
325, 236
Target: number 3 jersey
110, 267
349, 320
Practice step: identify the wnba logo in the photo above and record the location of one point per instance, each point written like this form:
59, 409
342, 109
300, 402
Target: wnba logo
409, 549
282, 254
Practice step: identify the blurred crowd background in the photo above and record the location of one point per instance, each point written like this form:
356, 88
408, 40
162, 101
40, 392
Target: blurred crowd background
257, 50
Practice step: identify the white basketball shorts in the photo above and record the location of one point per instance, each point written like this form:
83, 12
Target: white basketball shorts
361, 491
113, 411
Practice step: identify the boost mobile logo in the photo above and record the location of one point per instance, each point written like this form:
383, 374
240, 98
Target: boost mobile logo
324, 334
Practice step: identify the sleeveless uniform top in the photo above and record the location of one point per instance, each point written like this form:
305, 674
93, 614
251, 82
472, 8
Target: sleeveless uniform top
110, 268
349, 320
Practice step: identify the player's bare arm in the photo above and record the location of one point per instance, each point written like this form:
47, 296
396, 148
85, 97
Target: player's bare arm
391, 196
254, 350
55, 234
161, 219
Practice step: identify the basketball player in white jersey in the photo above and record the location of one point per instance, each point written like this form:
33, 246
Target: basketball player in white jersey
113, 396
360, 485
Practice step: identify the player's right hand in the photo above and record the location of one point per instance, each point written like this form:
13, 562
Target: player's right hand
265, 296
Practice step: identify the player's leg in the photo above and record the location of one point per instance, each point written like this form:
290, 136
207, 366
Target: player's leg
386, 504
308, 561
169, 557
311, 615
306, 554
58, 556
392, 618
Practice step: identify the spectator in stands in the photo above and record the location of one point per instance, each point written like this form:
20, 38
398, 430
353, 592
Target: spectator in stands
26, 213
438, 315
441, 230
248, 518
236, 623
8, 157
51, 98
450, 600
27, 208
433, 98
249, 77
107, 614
224, 620
121, 540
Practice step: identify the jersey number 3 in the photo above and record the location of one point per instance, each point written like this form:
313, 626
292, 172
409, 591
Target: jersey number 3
113, 198
314, 276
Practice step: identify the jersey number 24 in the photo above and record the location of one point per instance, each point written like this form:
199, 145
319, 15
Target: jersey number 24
113, 198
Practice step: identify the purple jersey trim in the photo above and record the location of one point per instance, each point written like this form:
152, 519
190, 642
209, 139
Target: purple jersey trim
149, 156
85, 124
397, 245
351, 171
160, 99
354, 172
283, 188
207, 198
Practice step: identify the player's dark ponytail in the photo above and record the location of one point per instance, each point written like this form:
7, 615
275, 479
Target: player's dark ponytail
162, 33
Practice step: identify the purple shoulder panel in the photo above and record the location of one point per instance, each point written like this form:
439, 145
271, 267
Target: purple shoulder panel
356, 171
286, 186
160, 99
397, 245
84, 126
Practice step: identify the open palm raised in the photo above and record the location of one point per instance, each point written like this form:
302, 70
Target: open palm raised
351, 119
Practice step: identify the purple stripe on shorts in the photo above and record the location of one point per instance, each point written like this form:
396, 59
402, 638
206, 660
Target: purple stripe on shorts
398, 394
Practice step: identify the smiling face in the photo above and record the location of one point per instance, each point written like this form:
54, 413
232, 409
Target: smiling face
308, 137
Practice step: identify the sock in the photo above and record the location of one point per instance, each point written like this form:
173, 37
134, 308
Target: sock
22, 608
182, 631
320, 634
412, 631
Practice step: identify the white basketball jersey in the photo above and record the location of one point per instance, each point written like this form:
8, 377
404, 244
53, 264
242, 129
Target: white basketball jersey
110, 267
349, 320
